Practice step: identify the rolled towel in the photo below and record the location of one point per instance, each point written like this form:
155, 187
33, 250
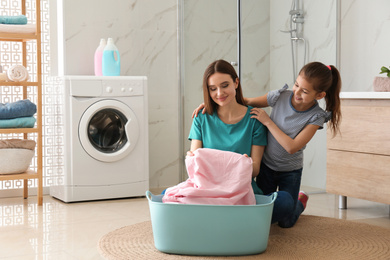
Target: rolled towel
21, 122
17, 143
20, 108
17, 73
18, 19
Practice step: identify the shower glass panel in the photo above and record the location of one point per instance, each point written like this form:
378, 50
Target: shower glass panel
208, 33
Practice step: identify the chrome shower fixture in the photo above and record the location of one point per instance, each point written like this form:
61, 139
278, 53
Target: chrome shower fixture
296, 17
295, 12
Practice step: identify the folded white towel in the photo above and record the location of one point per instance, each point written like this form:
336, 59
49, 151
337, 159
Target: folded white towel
17, 73
16, 28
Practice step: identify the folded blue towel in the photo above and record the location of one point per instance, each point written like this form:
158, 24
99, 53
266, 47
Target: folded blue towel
21, 122
18, 19
20, 108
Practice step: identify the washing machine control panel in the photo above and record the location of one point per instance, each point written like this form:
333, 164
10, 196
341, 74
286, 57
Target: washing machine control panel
108, 87
125, 88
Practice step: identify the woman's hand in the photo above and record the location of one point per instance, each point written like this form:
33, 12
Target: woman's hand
260, 115
196, 111
189, 153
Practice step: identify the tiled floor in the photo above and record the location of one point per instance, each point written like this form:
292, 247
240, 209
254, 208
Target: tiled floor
71, 231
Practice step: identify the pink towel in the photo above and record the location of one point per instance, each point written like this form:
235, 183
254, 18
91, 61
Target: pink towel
215, 177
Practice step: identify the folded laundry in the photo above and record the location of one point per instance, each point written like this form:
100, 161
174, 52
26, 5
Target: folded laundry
17, 143
18, 28
20, 122
215, 177
20, 108
18, 19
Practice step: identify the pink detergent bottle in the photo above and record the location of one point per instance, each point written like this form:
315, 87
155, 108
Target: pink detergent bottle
99, 58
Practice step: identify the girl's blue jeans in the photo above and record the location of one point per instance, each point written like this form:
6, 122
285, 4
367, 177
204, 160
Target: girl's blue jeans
287, 207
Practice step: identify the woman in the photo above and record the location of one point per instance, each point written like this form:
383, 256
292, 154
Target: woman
227, 125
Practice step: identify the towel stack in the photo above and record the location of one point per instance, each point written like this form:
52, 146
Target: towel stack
16, 24
19, 114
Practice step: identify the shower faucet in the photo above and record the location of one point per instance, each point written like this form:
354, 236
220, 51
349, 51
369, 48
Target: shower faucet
298, 19
296, 34
297, 16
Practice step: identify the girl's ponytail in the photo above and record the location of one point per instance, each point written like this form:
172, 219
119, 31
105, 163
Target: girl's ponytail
332, 99
326, 79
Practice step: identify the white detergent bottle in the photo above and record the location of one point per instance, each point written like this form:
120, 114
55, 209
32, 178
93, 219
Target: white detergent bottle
111, 64
98, 58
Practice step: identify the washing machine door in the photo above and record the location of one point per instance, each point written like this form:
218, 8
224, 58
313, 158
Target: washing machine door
108, 130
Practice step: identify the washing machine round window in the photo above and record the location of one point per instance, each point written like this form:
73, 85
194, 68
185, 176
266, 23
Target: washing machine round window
108, 130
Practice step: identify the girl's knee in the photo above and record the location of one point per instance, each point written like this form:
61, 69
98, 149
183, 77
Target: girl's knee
286, 201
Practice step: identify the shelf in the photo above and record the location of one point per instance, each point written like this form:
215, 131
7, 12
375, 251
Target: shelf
23, 83
17, 37
18, 130
22, 34
29, 174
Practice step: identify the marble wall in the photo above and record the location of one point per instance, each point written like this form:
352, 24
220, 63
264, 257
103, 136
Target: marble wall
364, 42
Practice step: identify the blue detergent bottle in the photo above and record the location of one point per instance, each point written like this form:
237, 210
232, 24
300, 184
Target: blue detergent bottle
111, 61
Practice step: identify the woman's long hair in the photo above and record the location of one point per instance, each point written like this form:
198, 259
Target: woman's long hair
224, 67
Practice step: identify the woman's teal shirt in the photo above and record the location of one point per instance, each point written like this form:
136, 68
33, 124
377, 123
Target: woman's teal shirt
238, 137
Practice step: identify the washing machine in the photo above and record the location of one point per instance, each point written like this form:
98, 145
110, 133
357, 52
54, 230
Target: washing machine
106, 151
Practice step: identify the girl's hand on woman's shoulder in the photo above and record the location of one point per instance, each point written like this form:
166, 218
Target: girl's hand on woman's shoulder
196, 111
260, 115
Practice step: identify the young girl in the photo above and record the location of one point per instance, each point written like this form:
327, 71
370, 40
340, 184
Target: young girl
295, 118
226, 124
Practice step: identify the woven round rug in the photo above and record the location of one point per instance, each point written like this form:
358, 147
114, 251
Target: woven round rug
311, 238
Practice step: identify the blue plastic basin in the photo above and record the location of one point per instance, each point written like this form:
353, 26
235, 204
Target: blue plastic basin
192, 229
